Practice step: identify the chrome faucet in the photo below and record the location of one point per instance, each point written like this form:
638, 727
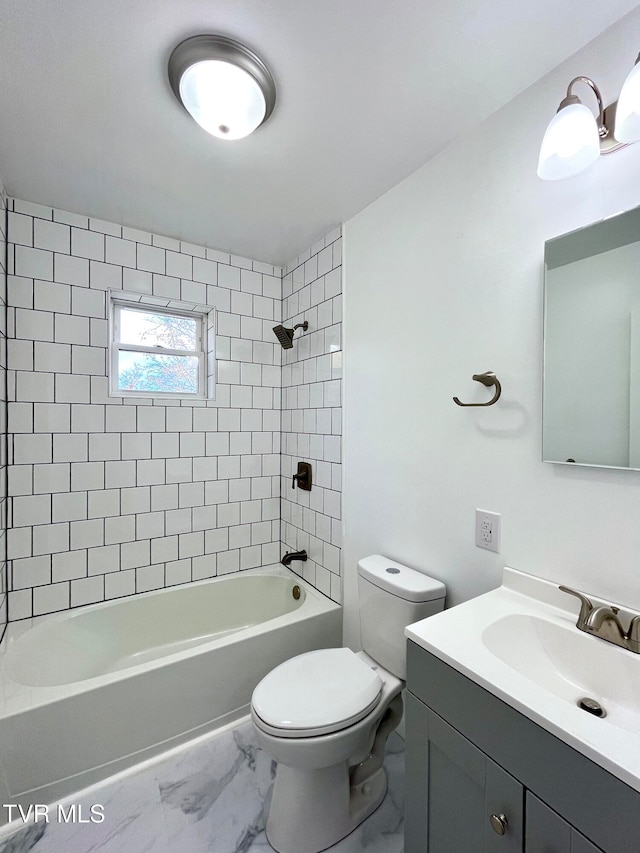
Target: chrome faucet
603, 622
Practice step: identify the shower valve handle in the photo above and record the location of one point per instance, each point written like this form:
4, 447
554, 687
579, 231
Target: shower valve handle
303, 477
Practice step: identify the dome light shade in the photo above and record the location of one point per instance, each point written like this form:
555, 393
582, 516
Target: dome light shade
224, 100
224, 86
627, 127
570, 144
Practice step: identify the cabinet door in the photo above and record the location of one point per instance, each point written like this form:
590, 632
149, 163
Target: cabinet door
416, 727
547, 832
453, 789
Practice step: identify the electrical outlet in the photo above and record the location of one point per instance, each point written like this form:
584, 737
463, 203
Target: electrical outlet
488, 530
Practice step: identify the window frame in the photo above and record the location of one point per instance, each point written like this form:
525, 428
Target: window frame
116, 346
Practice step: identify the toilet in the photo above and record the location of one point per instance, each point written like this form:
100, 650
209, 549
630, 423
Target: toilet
325, 716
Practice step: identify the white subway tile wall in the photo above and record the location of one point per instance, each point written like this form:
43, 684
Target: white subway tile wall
3, 412
312, 413
109, 496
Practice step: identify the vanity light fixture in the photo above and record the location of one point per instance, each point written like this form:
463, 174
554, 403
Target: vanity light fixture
628, 112
575, 138
224, 86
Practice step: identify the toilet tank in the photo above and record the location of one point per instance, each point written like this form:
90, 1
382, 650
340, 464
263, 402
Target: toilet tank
392, 596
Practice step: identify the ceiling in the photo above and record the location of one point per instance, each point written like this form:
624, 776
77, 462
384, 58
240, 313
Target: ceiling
368, 91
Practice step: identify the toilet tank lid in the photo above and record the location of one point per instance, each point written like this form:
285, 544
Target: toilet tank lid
400, 580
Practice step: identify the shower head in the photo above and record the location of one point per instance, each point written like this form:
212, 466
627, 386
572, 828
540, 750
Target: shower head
285, 336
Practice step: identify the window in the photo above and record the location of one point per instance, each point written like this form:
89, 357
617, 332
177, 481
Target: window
157, 351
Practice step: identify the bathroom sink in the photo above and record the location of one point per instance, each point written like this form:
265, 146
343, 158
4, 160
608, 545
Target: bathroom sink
521, 643
569, 664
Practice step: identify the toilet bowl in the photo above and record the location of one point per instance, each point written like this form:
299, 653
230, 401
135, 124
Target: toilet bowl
325, 716
331, 730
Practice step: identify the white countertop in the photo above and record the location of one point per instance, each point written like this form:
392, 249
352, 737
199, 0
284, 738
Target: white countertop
520, 643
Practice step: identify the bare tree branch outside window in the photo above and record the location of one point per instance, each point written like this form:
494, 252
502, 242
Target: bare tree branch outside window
154, 371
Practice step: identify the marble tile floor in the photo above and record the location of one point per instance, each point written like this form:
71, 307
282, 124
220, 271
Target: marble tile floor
209, 796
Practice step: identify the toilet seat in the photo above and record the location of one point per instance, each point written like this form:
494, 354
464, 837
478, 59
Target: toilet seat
316, 693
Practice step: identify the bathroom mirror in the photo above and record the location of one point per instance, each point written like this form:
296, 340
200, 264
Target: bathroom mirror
591, 389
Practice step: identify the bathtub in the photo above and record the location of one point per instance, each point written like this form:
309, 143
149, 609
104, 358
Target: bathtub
89, 692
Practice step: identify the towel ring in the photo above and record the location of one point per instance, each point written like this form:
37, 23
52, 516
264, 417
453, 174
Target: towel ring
489, 378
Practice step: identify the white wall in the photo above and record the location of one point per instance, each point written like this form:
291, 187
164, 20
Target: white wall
443, 278
312, 412
110, 496
3, 412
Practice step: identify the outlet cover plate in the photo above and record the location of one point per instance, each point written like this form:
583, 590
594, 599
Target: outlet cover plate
488, 530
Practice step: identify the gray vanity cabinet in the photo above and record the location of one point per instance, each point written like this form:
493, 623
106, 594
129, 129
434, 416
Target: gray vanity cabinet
459, 788
547, 832
476, 766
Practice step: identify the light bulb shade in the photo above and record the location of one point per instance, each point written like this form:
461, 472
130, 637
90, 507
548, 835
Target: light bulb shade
224, 86
225, 100
570, 144
627, 127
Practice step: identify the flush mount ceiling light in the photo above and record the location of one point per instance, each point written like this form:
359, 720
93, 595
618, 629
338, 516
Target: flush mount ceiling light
575, 138
223, 85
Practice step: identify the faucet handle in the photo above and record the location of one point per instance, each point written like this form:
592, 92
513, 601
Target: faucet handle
585, 605
302, 477
633, 635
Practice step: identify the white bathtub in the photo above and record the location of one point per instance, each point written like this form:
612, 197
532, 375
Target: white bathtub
89, 692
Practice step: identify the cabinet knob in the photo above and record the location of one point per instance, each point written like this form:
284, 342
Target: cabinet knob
499, 823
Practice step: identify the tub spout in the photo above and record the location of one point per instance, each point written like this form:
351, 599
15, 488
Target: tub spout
293, 555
